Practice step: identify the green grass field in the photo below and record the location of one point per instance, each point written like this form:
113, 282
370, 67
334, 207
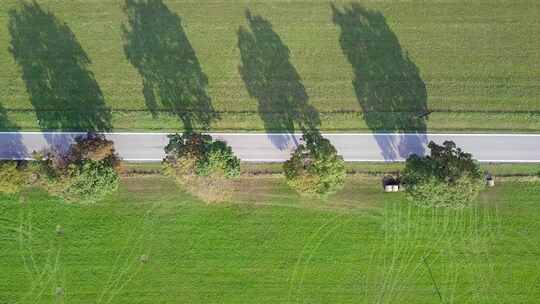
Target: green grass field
231, 65
153, 243
367, 168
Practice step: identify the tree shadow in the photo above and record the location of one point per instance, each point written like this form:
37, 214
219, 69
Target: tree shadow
11, 146
63, 91
156, 44
388, 84
271, 78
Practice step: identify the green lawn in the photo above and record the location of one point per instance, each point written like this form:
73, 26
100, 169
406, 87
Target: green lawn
270, 246
173, 64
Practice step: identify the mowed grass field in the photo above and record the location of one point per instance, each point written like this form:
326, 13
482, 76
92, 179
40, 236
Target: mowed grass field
153, 243
374, 67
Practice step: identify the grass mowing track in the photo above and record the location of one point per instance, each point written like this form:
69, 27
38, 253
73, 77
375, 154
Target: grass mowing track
360, 246
477, 59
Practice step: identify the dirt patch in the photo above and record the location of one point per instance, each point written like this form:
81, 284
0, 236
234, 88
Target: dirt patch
260, 189
210, 189
148, 189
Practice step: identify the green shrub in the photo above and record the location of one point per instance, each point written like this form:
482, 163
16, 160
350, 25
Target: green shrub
12, 178
90, 182
46, 167
315, 167
434, 193
448, 177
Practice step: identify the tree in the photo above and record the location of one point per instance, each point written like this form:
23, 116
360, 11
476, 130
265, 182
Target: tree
198, 154
315, 167
448, 177
94, 147
203, 166
86, 172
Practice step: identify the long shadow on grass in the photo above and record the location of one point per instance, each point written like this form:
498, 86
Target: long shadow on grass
11, 146
388, 85
157, 45
63, 91
271, 78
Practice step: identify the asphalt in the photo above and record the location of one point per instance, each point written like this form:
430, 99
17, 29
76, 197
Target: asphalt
260, 147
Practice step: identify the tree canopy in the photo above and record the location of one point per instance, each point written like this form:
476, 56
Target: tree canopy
198, 154
86, 172
448, 177
315, 167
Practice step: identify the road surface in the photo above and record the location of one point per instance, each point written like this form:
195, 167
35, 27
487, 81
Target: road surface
260, 147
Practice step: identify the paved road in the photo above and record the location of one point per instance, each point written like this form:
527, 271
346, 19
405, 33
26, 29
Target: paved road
277, 147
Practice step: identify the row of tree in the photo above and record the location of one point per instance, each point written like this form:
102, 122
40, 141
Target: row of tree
448, 177
89, 170
314, 168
